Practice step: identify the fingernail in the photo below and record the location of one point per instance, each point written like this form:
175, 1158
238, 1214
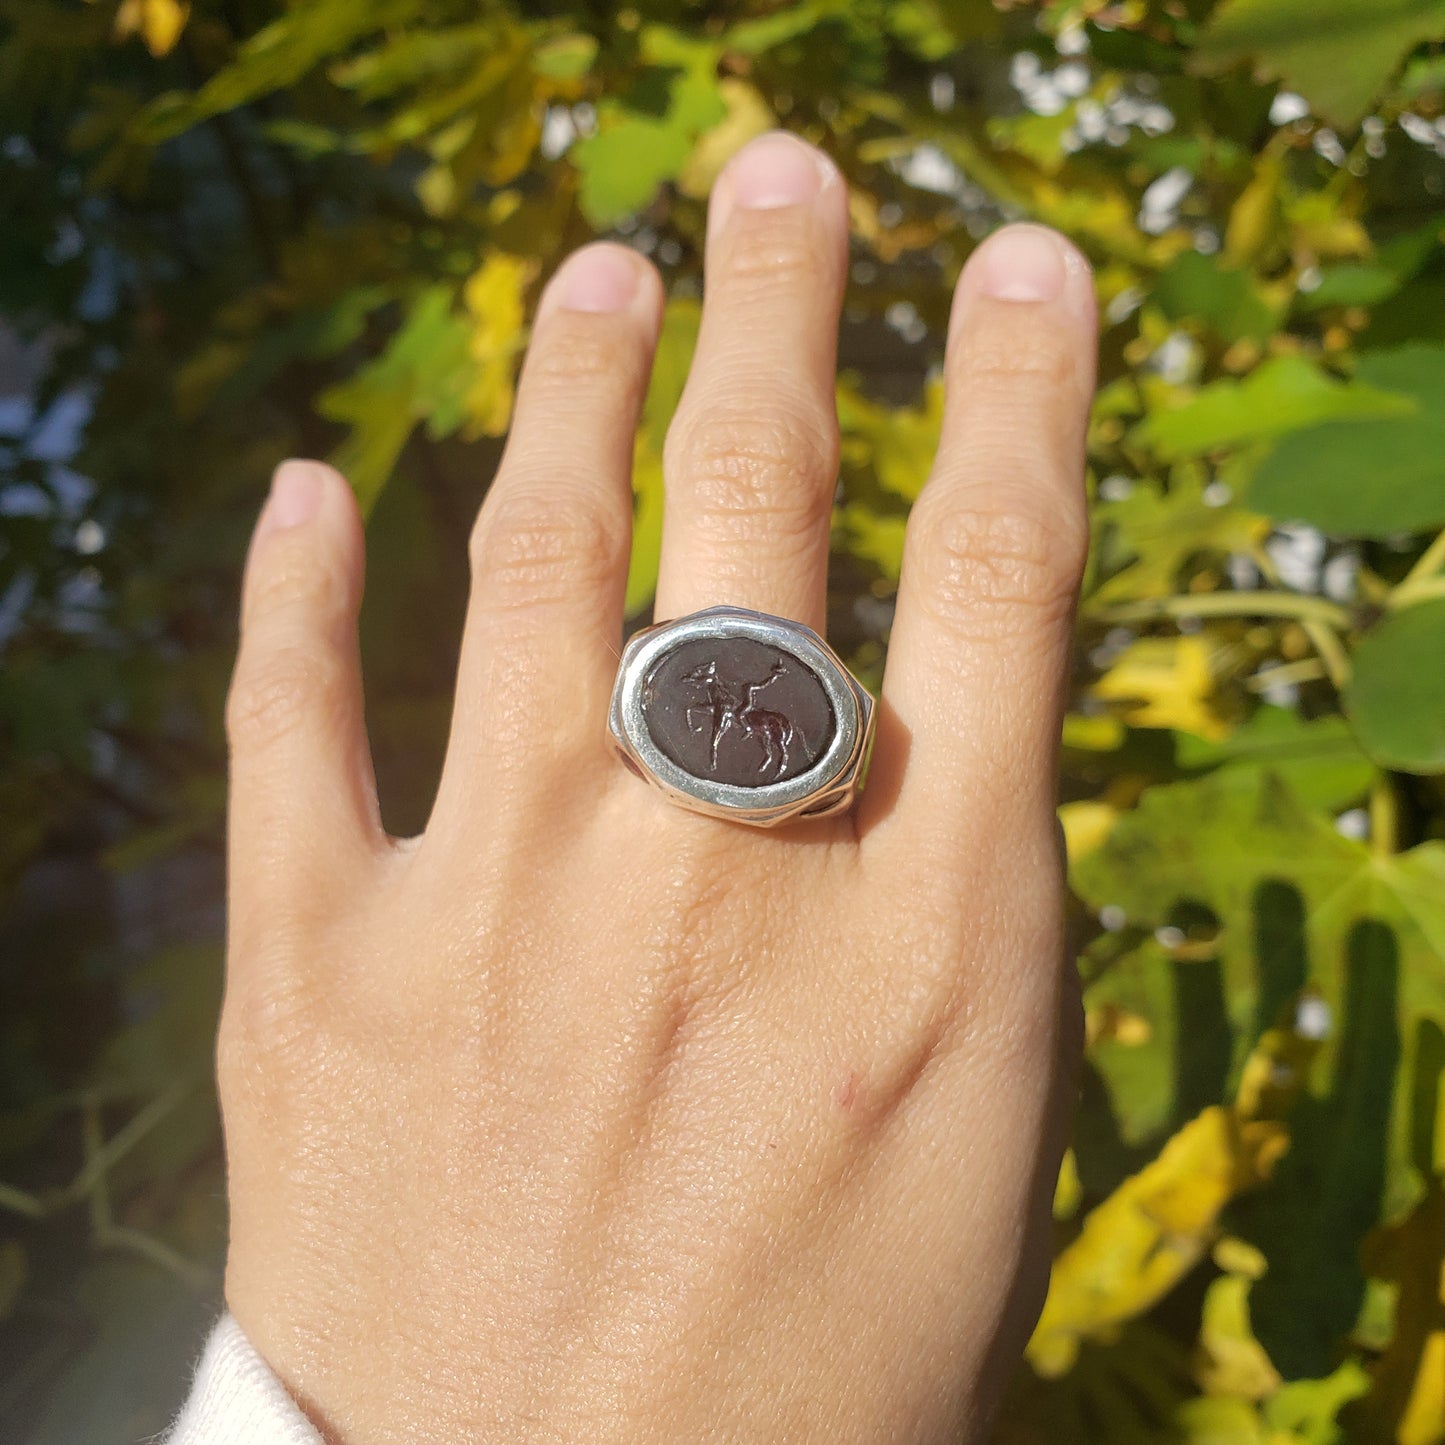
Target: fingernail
598, 278
777, 170
773, 171
295, 496
1025, 263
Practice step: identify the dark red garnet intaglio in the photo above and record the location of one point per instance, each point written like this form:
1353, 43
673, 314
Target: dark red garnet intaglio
737, 710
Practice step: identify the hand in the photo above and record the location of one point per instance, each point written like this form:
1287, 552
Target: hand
582, 1117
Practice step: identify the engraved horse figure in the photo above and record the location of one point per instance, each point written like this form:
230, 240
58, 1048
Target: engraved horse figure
729, 706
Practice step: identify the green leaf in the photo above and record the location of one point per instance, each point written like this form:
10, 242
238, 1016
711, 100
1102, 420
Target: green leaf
1338, 54
1283, 395
1396, 693
1367, 474
623, 165
1144, 541
275, 58
1289, 892
874, 536
756, 37
1319, 759
1218, 1420
1308, 1407
568, 57
897, 444
675, 346
1368, 284
423, 375
1140, 1072
1423, 78
633, 151
1224, 298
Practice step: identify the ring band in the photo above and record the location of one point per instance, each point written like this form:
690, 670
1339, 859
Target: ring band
740, 715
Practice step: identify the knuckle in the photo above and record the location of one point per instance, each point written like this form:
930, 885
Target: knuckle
776, 251
293, 577
273, 1075
274, 694
754, 468
578, 348
531, 547
1026, 354
996, 572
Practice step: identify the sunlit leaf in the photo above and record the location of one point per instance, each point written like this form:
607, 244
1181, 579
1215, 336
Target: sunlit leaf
426, 374
1145, 540
634, 152
674, 354
1282, 396
1297, 903
1337, 53
1308, 1409
1366, 473
495, 297
1407, 1402
1167, 682
158, 22
1141, 1241
1319, 759
748, 115
1231, 1361
896, 444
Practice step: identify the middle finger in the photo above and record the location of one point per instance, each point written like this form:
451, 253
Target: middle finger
752, 456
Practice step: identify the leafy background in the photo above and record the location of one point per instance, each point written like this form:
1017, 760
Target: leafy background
240, 229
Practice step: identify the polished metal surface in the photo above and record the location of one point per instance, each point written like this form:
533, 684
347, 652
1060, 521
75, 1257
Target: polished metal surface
740, 715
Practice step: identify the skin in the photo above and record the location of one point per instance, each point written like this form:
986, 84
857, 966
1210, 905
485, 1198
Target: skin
582, 1117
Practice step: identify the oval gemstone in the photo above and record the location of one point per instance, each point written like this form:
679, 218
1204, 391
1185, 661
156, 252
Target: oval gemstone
737, 710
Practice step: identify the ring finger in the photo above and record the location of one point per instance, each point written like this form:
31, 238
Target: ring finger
751, 459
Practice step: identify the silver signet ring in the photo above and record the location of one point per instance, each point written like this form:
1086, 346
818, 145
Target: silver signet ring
741, 715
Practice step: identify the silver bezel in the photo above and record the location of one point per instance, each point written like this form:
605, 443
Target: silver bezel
828, 785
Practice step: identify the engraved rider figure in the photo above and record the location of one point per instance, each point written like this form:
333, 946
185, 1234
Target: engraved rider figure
731, 705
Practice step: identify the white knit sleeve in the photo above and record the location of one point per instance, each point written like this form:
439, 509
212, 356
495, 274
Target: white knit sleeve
236, 1400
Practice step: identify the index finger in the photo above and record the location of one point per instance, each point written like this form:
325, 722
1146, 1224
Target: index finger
977, 661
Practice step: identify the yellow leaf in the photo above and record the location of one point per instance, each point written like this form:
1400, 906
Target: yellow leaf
1087, 825
1230, 1361
896, 443
1423, 1422
1166, 682
1236, 1256
1323, 229
1255, 216
1407, 1402
495, 296
747, 116
1094, 734
1068, 1189
158, 22
436, 189
889, 241
1157, 1225
1109, 1022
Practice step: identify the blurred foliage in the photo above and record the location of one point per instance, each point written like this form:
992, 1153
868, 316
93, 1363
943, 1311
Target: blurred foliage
238, 229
